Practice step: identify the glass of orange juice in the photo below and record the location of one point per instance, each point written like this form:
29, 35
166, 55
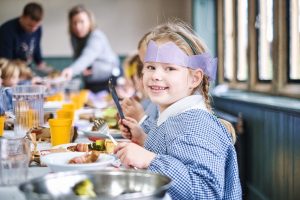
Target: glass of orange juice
60, 130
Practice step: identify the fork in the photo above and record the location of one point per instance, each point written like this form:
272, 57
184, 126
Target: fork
101, 124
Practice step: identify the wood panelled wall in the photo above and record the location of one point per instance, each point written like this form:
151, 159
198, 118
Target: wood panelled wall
272, 149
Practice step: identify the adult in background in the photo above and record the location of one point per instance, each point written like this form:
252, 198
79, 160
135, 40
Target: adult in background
93, 55
20, 37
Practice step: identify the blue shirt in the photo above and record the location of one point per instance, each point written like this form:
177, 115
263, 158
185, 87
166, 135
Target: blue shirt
195, 150
15, 43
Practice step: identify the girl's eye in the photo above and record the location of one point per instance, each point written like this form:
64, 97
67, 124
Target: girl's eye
170, 68
150, 67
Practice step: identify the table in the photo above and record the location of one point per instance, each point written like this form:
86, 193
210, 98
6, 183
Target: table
13, 193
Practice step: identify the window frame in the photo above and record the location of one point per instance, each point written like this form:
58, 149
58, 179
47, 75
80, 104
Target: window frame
280, 85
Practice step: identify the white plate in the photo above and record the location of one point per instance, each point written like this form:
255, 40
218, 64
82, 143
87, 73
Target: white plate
64, 146
59, 161
100, 134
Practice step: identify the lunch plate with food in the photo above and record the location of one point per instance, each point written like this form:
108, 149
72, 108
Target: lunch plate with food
67, 161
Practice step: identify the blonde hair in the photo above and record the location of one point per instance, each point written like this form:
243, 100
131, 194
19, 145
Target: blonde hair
185, 38
3, 61
8, 69
81, 9
25, 71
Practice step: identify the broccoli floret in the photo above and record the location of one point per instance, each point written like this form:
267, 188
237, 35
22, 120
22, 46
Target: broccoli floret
84, 188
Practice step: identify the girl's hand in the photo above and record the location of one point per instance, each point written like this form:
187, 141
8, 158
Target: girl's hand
133, 155
130, 129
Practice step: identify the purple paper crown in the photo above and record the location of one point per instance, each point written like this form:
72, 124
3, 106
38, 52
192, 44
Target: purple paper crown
170, 53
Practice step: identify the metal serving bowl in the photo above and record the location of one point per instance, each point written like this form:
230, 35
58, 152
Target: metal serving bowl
108, 184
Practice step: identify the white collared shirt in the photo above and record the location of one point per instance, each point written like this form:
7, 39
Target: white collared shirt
190, 102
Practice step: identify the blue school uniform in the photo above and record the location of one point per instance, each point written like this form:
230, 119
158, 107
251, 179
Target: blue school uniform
5, 100
195, 150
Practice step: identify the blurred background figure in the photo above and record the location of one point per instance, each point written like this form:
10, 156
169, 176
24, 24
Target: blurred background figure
93, 55
20, 37
10, 73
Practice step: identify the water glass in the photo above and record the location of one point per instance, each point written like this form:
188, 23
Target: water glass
28, 108
15, 156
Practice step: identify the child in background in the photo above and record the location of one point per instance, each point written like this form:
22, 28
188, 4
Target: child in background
26, 74
126, 87
10, 73
5, 93
3, 61
187, 142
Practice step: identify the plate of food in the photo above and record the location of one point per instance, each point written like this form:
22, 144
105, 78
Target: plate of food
67, 161
101, 145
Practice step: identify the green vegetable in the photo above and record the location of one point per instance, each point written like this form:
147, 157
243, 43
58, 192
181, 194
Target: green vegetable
84, 188
110, 112
99, 145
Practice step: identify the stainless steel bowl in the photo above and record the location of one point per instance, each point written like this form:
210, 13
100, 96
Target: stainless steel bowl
108, 184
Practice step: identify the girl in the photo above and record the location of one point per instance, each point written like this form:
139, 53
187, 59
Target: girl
187, 143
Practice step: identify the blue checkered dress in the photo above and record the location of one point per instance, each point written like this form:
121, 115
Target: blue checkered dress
195, 150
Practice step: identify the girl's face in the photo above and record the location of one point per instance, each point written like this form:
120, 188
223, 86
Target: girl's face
81, 25
11, 81
167, 83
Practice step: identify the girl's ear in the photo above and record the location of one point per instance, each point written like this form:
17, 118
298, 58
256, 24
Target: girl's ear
197, 77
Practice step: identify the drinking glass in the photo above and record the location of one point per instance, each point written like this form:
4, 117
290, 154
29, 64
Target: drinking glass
60, 130
28, 108
15, 156
2, 120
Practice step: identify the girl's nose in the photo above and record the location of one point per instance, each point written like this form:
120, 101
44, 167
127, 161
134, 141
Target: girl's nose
157, 75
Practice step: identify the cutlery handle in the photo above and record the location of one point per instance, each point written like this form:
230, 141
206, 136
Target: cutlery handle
115, 98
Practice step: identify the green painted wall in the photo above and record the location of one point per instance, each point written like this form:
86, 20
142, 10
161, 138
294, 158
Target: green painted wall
272, 149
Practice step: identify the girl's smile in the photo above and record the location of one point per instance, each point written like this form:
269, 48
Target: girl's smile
157, 88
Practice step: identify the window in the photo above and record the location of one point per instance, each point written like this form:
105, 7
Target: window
228, 40
258, 46
264, 24
242, 43
294, 69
